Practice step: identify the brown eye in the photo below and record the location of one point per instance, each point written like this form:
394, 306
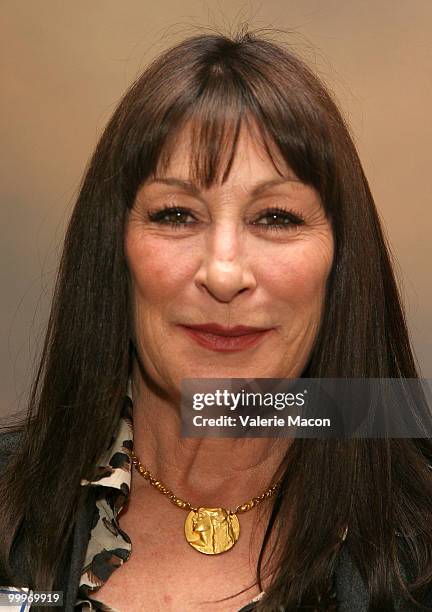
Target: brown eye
174, 214
280, 219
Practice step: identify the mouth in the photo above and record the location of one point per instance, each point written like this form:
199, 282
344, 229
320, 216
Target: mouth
227, 340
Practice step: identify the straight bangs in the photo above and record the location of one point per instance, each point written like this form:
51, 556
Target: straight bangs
212, 103
379, 488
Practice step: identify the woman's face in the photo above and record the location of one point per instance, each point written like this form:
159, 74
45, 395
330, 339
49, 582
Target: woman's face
225, 262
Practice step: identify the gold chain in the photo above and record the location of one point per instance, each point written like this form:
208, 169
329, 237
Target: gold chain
180, 503
209, 530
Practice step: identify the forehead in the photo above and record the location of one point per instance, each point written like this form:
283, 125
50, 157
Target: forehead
192, 154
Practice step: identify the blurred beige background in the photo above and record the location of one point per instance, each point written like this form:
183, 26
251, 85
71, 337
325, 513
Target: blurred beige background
66, 64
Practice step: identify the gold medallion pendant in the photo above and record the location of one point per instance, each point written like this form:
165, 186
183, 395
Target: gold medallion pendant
211, 530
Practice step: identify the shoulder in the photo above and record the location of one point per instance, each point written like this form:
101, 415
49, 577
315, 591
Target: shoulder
10, 440
9, 443
351, 589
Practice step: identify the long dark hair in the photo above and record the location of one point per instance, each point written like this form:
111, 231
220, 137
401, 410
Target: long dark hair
374, 486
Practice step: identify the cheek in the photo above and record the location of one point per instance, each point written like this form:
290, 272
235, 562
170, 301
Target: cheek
158, 268
300, 272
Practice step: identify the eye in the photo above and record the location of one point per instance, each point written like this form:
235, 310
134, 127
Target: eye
288, 219
175, 213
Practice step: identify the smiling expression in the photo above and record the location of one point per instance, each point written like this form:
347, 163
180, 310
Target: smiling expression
256, 250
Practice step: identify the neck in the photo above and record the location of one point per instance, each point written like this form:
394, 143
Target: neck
212, 472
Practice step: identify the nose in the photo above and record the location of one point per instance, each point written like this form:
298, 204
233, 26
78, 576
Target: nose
225, 268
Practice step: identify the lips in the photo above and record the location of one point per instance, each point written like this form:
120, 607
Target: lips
220, 330
224, 339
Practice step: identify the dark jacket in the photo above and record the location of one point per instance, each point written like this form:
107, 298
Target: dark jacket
352, 595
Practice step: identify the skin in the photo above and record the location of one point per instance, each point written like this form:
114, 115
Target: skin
222, 265
227, 267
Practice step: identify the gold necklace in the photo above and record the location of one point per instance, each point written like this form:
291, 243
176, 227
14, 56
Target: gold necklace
209, 530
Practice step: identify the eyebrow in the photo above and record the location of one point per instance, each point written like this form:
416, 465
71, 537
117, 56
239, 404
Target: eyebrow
257, 189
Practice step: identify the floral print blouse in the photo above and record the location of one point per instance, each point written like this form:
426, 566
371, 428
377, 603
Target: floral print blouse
109, 546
